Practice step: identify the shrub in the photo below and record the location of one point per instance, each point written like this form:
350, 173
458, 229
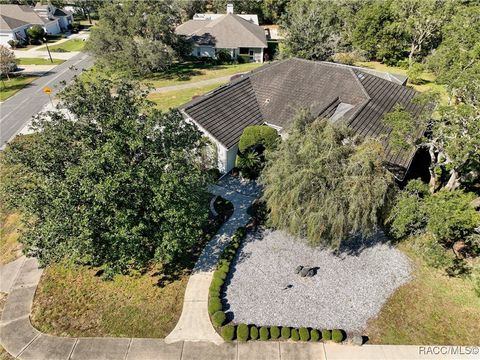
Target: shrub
326, 335
218, 318
214, 305
348, 58
286, 333
304, 334
451, 216
242, 332
414, 73
223, 56
255, 135
314, 335
240, 232
35, 34
337, 335
295, 336
253, 332
274, 332
228, 332
220, 274
216, 281
264, 333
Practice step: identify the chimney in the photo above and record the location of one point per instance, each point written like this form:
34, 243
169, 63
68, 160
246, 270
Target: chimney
229, 8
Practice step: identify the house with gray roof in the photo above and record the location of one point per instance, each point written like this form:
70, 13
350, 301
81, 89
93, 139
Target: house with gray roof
273, 94
16, 19
239, 35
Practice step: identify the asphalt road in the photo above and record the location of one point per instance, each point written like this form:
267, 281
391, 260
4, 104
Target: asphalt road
16, 111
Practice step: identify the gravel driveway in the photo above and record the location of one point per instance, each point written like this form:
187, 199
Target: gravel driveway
349, 288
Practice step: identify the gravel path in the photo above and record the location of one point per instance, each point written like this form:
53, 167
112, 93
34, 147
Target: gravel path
349, 288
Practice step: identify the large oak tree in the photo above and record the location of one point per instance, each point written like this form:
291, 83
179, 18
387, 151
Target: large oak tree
108, 181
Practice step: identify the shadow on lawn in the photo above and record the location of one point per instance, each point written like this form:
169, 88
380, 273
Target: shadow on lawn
184, 72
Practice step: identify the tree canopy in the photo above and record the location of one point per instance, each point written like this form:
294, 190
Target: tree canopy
324, 183
110, 182
138, 37
312, 29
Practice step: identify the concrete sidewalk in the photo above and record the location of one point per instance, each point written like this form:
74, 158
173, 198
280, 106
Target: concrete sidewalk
192, 85
194, 323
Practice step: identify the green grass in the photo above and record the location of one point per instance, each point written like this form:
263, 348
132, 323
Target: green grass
173, 99
427, 84
38, 61
431, 309
16, 83
73, 301
67, 46
193, 72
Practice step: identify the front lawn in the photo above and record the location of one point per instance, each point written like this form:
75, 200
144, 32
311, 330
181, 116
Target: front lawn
76, 301
16, 83
9, 234
431, 309
67, 46
38, 61
193, 72
73, 301
173, 99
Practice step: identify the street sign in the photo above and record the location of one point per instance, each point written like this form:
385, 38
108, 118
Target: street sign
47, 90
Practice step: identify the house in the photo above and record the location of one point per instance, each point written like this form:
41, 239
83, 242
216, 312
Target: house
273, 93
239, 35
16, 19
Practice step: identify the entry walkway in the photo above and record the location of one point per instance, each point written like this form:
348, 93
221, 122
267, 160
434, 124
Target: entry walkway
192, 339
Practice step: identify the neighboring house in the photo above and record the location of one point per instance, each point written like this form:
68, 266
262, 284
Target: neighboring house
16, 19
239, 35
274, 93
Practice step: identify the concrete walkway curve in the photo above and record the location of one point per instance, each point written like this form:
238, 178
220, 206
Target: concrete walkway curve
194, 323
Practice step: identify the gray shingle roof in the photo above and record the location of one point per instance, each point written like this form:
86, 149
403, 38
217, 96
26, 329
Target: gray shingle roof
274, 93
8, 23
227, 31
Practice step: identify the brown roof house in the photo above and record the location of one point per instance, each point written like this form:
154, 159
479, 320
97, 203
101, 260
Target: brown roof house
272, 95
15, 19
239, 35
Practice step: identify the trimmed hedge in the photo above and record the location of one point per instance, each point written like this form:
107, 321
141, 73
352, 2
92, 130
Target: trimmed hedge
337, 335
274, 332
264, 333
304, 334
314, 335
253, 332
242, 332
286, 332
228, 332
258, 135
295, 336
214, 305
218, 318
326, 335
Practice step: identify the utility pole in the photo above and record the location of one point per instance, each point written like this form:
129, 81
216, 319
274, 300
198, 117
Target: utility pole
48, 49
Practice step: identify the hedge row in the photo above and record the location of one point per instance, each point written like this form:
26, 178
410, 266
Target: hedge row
244, 332
214, 301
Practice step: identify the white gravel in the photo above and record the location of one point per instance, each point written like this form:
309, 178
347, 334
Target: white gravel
349, 288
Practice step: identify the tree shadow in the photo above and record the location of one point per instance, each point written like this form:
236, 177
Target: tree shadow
355, 245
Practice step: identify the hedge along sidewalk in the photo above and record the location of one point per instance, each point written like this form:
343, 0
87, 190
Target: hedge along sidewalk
194, 323
244, 332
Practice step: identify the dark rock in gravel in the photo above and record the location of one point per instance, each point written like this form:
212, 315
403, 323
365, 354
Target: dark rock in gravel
311, 272
298, 269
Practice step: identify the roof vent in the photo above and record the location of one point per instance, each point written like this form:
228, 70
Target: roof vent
360, 76
266, 101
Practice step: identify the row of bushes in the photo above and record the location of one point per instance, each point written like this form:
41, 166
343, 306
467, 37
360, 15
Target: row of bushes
214, 302
243, 332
